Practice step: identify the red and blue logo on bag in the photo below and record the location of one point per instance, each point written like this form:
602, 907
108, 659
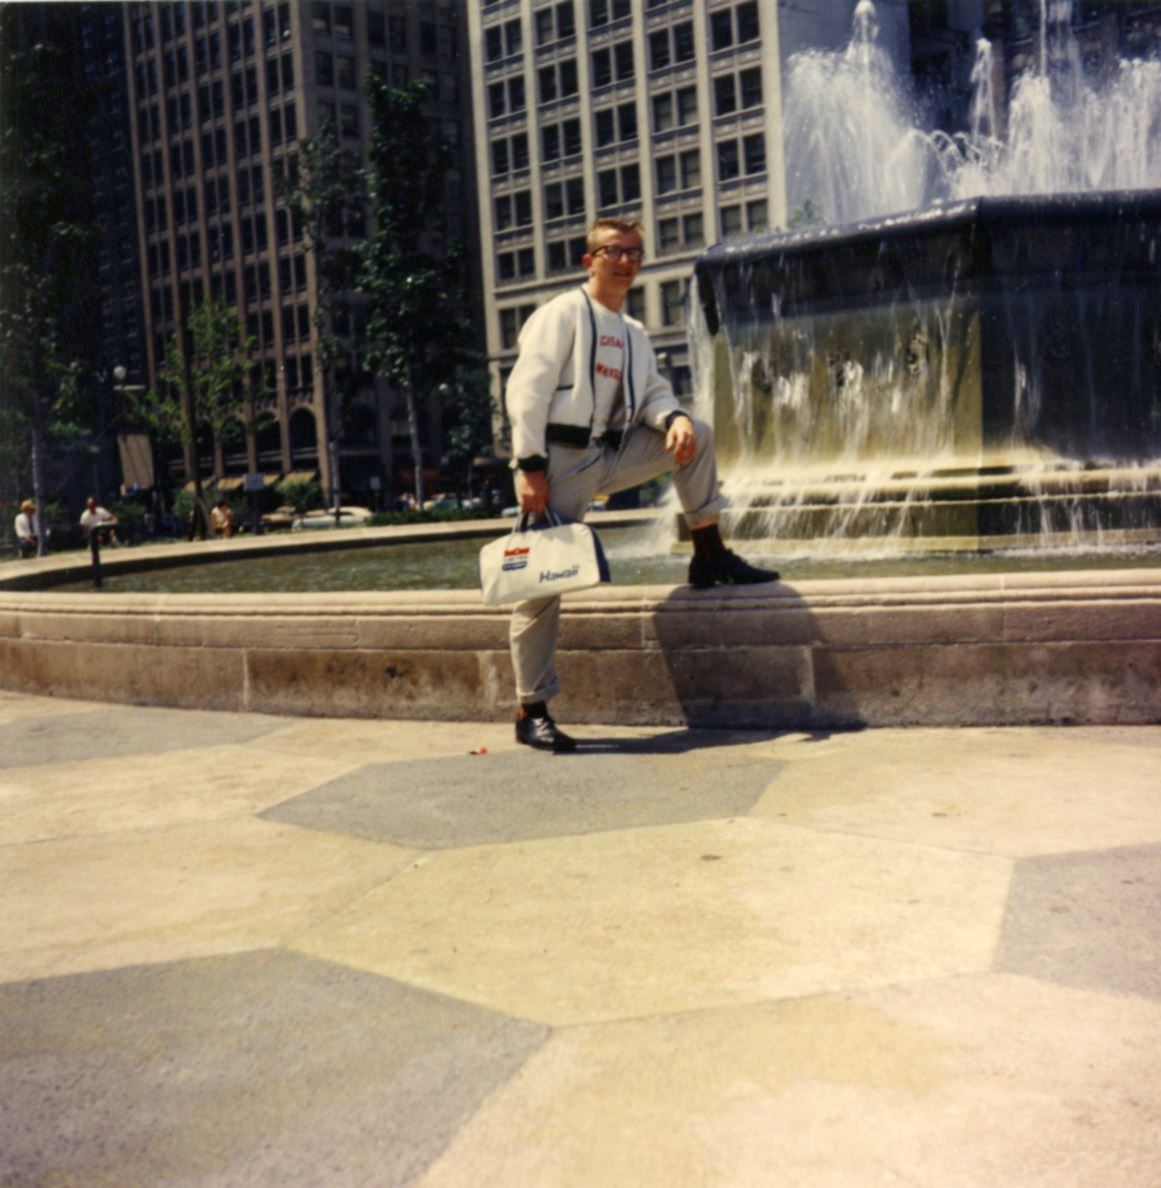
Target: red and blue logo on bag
515, 558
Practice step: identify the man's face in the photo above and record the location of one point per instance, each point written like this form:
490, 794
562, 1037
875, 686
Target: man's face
91, 504
610, 273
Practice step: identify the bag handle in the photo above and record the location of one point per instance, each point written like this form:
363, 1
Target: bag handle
525, 523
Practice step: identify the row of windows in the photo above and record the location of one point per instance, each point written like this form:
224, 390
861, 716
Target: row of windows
672, 171
339, 70
666, 47
731, 92
673, 294
674, 233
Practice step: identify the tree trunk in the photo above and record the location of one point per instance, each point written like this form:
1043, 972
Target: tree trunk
38, 490
334, 423
416, 448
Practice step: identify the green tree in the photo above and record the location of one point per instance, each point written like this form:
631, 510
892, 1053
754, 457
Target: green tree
419, 330
322, 186
467, 409
47, 247
201, 385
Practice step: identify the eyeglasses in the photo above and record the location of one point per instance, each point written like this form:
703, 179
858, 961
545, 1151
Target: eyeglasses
616, 253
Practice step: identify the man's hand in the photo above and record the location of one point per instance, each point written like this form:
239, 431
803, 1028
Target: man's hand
532, 491
680, 440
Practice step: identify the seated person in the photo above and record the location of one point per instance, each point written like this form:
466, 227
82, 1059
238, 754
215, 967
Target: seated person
99, 520
222, 519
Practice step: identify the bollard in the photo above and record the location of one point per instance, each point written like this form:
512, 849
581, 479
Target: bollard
95, 552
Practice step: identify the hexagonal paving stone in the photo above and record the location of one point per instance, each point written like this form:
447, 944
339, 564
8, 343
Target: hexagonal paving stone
259, 1068
124, 730
465, 800
1091, 920
684, 917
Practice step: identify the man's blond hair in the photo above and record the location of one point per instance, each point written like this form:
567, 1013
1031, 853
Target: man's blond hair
613, 223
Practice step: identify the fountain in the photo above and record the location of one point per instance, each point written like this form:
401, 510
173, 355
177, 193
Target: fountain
982, 370
972, 359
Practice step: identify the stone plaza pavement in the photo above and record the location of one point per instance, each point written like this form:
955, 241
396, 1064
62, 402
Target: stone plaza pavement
242, 949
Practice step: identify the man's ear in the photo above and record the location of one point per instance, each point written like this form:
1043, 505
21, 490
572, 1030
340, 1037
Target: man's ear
587, 260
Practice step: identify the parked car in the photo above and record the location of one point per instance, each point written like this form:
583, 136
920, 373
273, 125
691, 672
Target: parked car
324, 517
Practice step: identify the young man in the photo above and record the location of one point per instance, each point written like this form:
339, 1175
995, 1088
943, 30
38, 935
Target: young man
591, 413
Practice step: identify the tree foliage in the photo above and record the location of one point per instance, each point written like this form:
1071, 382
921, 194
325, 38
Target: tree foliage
47, 247
202, 384
419, 329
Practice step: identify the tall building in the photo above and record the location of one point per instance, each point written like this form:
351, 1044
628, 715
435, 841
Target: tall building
667, 110
222, 94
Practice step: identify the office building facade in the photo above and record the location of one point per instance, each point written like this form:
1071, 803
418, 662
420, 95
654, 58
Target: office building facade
666, 110
222, 95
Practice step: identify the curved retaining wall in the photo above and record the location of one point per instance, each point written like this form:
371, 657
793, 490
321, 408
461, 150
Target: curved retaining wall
1058, 647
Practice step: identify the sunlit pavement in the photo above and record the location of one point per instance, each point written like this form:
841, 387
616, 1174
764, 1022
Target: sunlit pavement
240, 949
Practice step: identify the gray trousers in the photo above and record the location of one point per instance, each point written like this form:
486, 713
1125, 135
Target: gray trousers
575, 477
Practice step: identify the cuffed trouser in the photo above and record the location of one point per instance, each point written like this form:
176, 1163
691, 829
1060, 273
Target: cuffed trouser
575, 477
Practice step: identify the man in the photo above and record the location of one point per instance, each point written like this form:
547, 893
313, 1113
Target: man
97, 519
591, 413
25, 528
222, 519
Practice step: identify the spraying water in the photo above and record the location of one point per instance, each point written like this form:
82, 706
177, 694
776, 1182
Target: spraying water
856, 146
951, 391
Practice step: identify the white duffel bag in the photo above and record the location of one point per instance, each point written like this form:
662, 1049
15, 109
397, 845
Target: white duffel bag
540, 559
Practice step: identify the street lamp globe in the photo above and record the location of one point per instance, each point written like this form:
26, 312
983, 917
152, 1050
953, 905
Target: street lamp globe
119, 373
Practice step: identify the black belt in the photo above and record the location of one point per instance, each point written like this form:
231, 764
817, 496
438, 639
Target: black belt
578, 437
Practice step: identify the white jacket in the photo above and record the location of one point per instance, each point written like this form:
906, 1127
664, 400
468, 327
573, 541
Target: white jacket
553, 380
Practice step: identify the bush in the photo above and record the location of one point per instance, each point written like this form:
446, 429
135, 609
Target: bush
183, 508
302, 496
130, 520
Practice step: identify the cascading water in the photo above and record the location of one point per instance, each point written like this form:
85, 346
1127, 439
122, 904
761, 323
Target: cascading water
982, 367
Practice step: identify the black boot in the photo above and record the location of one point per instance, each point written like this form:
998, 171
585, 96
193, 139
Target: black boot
541, 732
726, 569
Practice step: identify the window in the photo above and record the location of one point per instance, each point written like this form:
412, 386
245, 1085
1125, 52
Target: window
508, 328
635, 304
750, 86
516, 93
545, 28
561, 139
623, 60
721, 29
725, 95
493, 43
497, 99
557, 81
747, 21
522, 202
674, 109
500, 158
349, 120
673, 303
601, 12
428, 39
677, 232
503, 206
520, 151
754, 153
513, 41
561, 198
627, 121
565, 20
344, 22
683, 42
376, 28
547, 80
728, 166
666, 174
602, 67
345, 72
757, 216
681, 171
320, 17
604, 127
659, 56
618, 186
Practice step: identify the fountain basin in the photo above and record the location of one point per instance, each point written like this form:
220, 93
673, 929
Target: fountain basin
886, 365
1080, 647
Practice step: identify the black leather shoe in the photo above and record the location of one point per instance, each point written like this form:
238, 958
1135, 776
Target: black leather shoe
543, 734
726, 569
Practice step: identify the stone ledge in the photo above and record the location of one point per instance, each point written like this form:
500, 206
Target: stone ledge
1079, 647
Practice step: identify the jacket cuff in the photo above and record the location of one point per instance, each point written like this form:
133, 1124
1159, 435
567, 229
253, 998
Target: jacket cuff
671, 417
531, 463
